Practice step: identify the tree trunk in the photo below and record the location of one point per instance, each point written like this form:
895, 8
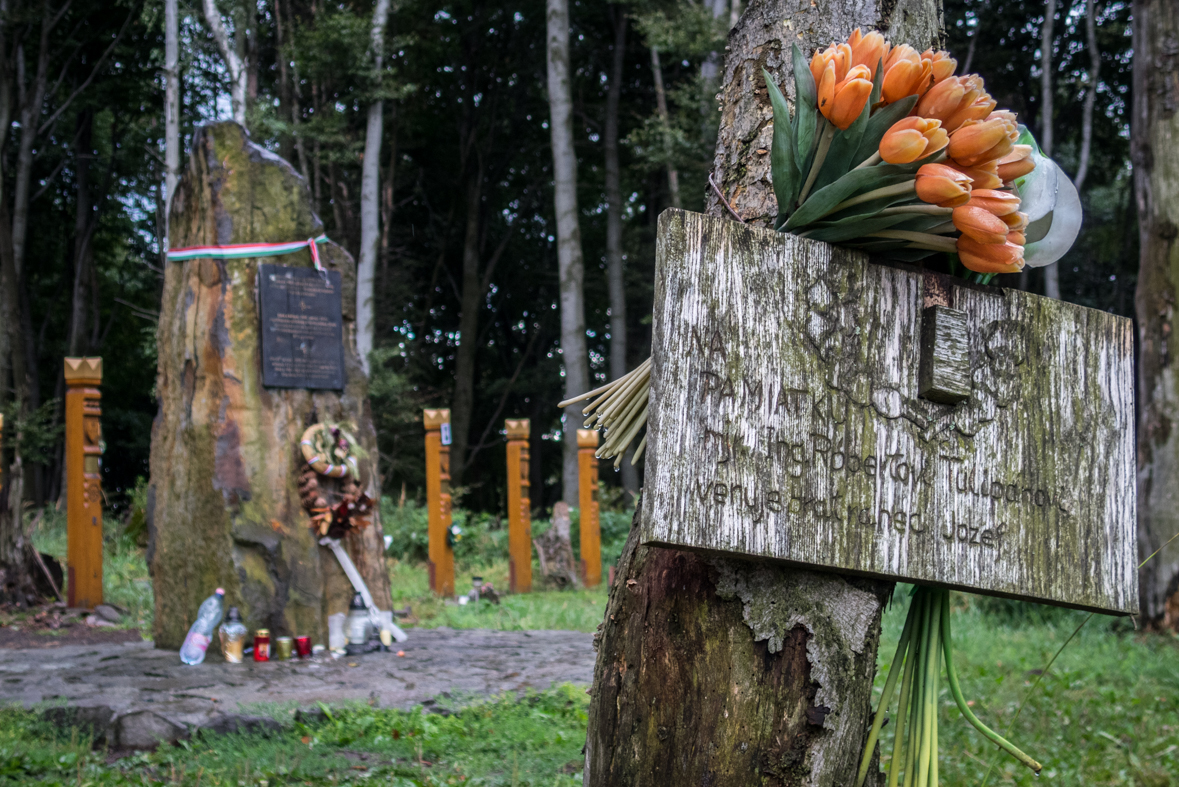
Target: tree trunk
224, 507
234, 64
83, 254
673, 175
1155, 154
171, 104
570, 263
463, 399
370, 195
1090, 94
615, 269
1051, 272
699, 680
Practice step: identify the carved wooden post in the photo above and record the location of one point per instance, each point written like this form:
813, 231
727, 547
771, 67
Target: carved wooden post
438, 499
591, 537
83, 449
519, 506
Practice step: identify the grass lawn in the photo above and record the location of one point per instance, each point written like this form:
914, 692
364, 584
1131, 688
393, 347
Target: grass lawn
1107, 713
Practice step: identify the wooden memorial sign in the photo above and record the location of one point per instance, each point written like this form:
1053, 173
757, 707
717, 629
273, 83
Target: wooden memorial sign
438, 515
794, 418
589, 527
302, 327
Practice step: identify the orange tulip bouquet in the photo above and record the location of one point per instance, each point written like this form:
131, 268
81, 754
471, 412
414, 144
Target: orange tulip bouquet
888, 151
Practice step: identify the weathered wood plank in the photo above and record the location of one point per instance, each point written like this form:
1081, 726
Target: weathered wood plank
786, 423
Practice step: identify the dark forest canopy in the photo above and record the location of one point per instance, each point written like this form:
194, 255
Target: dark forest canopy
465, 113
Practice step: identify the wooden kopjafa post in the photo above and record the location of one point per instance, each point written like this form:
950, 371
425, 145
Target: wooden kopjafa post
812, 443
590, 532
83, 453
441, 553
519, 506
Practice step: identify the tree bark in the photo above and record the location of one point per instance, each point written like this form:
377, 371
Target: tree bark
370, 195
1051, 272
223, 504
570, 263
673, 175
615, 265
1090, 94
685, 690
1155, 155
83, 251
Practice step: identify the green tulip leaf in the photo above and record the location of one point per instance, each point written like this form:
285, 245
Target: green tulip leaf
849, 230
806, 113
843, 148
858, 181
877, 84
783, 171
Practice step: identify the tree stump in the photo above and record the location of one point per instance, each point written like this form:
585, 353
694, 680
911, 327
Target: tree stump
223, 504
554, 550
717, 671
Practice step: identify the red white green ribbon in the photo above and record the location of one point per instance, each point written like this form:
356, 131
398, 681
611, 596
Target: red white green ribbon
237, 251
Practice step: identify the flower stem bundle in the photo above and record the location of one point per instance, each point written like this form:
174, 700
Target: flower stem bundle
621, 409
925, 639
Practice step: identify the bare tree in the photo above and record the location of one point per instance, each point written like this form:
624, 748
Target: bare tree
370, 195
1051, 272
570, 263
171, 103
1154, 127
1090, 94
615, 270
234, 62
673, 175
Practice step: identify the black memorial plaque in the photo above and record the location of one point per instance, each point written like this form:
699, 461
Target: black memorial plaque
302, 328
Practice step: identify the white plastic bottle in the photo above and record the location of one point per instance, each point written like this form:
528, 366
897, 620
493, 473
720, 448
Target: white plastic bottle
201, 634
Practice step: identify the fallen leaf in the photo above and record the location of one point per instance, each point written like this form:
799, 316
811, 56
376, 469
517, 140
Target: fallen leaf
401, 653
353, 664
306, 739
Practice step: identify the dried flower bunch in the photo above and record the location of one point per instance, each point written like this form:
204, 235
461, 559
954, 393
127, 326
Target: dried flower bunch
886, 150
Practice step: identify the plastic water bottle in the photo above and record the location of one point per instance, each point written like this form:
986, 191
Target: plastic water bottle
201, 634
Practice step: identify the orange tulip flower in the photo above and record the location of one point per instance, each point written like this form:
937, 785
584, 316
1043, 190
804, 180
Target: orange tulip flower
977, 141
942, 65
983, 174
906, 75
938, 184
1016, 164
912, 138
838, 55
980, 224
1016, 221
842, 102
1017, 237
955, 100
1000, 203
990, 257
870, 50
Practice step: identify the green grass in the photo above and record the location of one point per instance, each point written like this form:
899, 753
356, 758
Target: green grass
1107, 713
572, 610
535, 740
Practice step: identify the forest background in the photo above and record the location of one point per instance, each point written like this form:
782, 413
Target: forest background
466, 274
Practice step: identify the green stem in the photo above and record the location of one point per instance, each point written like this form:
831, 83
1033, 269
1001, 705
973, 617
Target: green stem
936, 676
929, 701
894, 765
890, 683
928, 210
956, 690
895, 190
820, 156
935, 242
871, 161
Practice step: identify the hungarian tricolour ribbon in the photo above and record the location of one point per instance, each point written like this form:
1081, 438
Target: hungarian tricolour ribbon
237, 251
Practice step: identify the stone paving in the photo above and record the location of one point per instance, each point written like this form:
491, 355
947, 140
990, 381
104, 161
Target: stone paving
139, 694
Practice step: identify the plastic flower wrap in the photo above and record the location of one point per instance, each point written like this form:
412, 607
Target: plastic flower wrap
888, 151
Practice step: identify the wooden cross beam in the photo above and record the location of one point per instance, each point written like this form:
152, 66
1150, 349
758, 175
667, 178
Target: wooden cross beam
794, 418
